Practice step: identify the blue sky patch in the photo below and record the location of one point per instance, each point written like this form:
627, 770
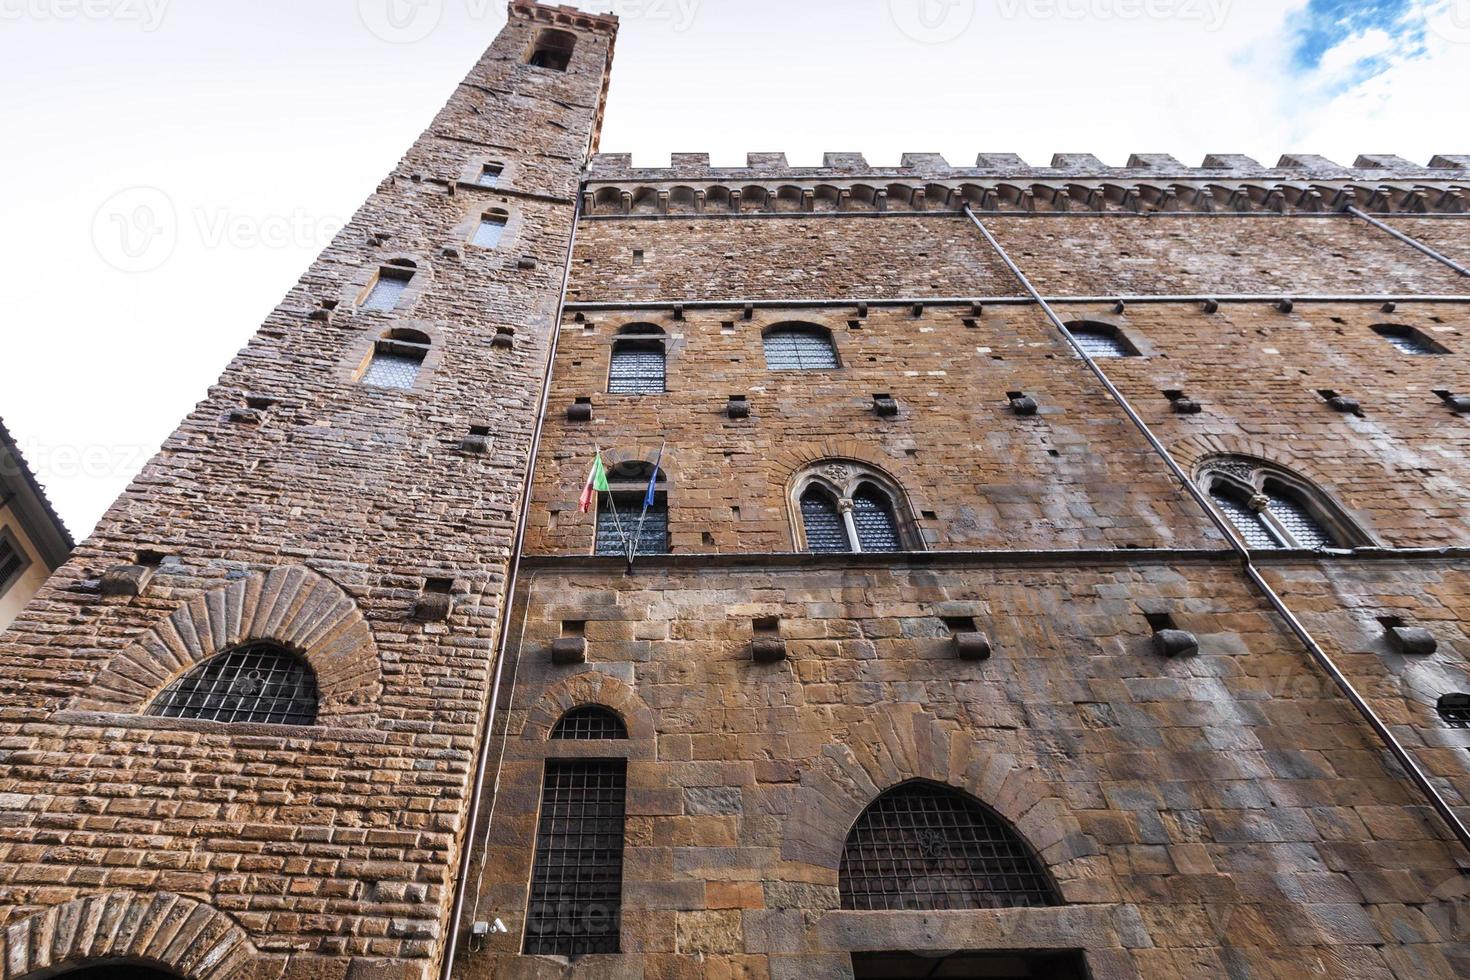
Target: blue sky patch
1326, 24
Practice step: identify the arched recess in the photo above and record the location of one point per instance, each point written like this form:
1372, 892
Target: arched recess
905, 744
292, 606
846, 482
170, 932
582, 690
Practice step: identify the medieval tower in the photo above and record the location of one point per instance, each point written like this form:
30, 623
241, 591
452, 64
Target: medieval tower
995, 571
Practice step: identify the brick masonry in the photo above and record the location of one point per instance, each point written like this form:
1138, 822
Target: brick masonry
1223, 815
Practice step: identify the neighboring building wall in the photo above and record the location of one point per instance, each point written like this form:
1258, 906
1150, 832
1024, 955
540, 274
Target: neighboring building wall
18, 591
29, 528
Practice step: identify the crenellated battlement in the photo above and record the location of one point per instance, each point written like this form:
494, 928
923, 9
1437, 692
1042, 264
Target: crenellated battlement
1003, 182
564, 16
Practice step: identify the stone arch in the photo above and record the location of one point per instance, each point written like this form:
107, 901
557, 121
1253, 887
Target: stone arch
194, 940
589, 688
905, 744
290, 605
1192, 453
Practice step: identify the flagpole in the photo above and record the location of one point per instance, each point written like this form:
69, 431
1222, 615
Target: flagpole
613, 506
647, 499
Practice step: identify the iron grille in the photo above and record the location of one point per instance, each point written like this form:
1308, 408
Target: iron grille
590, 723
877, 529
11, 563
389, 370
489, 233
825, 531
1408, 342
1101, 345
490, 176
577, 881
1298, 522
653, 539
799, 350
1250, 525
923, 847
386, 293
637, 369
258, 683
1455, 708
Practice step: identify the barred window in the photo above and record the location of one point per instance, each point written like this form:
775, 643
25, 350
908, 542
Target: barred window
799, 347
591, 722
621, 521
1302, 529
1273, 510
1407, 340
491, 229
1101, 341
872, 514
391, 283
552, 49
925, 847
638, 368
1252, 527
259, 683
1455, 709
12, 561
490, 175
575, 905
826, 532
397, 359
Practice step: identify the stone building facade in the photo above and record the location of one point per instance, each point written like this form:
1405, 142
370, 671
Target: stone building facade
930, 663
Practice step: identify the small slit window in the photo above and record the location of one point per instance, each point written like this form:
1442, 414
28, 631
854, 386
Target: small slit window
397, 360
490, 175
575, 906
926, 847
1455, 709
1407, 340
799, 347
491, 229
590, 723
259, 683
639, 363
552, 49
1101, 341
388, 289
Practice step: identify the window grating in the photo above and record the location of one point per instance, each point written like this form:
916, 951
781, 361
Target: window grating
637, 369
590, 723
389, 370
257, 683
923, 847
877, 528
826, 533
1099, 344
1455, 708
490, 175
11, 562
1408, 342
800, 350
577, 881
1298, 522
654, 539
1250, 524
491, 230
387, 291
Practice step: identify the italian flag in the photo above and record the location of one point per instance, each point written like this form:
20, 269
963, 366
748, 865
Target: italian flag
596, 483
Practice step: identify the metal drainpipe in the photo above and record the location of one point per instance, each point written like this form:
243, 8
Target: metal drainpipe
482, 762
1408, 240
1323, 659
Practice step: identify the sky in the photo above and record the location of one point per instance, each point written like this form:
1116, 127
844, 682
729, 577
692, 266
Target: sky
238, 137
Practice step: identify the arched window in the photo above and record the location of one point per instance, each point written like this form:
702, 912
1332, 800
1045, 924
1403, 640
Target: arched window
639, 362
845, 506
397, 359
1274, 509
552, 49
624, 526
590, 723
1407, 340
1101, 340
799, 347
388, 288
925, 847
258, 683
491, 228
